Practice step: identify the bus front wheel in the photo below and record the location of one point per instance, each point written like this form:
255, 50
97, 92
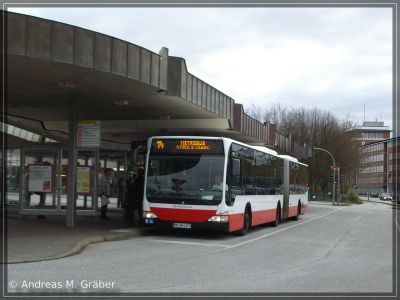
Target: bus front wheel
246, 223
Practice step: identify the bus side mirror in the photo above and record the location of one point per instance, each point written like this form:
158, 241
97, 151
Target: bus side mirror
235, 171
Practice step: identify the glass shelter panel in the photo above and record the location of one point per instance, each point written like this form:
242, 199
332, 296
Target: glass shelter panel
116, 164
86, 180
40, 179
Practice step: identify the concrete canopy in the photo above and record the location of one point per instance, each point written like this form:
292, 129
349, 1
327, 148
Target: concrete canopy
40, 90
47, 62
134, 92
36, 87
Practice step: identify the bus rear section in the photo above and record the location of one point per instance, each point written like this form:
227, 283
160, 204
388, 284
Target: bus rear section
297, 187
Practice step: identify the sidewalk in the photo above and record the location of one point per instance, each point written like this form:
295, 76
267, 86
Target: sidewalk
31, 239
377, 200
364, 198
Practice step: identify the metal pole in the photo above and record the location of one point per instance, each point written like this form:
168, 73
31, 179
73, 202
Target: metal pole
23, 191
72, 160
338, 184
334, 164
85, 195
95, 193
334, 187
124, 186
387, 166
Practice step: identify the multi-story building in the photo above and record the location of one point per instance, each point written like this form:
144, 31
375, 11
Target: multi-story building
370, 132
372, 139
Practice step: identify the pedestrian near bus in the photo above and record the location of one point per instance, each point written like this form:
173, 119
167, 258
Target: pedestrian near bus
121, 186
130, 206
138, 190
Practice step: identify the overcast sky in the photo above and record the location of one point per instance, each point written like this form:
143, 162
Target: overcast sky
336, 59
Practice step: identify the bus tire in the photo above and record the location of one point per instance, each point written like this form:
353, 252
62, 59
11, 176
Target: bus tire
278, 216
246, 222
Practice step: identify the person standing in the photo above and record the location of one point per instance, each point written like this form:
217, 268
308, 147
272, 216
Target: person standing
105, 190
130, 206
138, 190
121, 186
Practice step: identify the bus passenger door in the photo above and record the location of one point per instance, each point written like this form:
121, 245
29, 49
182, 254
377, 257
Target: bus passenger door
234, 180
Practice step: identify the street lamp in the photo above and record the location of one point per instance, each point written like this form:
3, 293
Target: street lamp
334, 171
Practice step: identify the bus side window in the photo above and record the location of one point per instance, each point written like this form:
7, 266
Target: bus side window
234, 180
235, 171
248, 183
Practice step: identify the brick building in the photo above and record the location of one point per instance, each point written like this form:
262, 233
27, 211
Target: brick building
373, 139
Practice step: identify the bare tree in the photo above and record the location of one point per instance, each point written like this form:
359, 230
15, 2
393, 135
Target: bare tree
317, 128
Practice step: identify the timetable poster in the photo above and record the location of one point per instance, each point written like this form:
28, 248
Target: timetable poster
40, 178
83, 180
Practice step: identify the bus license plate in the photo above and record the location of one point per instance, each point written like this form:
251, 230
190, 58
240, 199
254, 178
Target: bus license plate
182, 225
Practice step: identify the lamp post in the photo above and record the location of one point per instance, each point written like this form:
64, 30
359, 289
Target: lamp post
334, 171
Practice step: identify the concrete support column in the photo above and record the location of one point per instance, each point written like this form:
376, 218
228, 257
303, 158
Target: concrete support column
72, 162
163, 68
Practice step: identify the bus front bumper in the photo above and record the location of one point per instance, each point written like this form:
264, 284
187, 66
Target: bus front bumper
214, 226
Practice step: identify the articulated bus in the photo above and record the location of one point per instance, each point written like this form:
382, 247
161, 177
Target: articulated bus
220, 183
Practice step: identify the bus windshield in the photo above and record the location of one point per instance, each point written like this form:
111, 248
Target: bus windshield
185, 179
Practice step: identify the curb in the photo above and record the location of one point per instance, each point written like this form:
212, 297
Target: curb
80, 246
366, 201
321, 203
373, 201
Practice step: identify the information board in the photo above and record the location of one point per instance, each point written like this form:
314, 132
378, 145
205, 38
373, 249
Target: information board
195, 146
40, 178
88, 134
83, 180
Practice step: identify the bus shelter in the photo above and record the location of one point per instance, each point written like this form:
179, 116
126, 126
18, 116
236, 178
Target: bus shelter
37, 177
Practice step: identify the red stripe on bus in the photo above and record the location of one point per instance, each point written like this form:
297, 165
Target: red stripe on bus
292, 211
183, 215
263, 216
235, 222
257, 217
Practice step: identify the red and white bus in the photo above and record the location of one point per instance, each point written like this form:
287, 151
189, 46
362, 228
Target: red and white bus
215, 182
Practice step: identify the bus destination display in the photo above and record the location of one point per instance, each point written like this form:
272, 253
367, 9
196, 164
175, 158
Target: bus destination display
187, 146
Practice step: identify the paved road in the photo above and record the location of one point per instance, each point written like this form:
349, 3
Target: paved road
329, 250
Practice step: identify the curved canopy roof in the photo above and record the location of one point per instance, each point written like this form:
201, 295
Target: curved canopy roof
134, 92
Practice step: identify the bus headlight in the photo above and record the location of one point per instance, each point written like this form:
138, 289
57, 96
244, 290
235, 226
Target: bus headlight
149, 215
218, 219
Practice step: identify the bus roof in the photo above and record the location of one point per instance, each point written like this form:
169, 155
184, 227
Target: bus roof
293, 159
266, 150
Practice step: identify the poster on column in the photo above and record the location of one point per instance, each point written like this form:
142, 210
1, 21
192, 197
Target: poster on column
40, 178
83, 180
88, 134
